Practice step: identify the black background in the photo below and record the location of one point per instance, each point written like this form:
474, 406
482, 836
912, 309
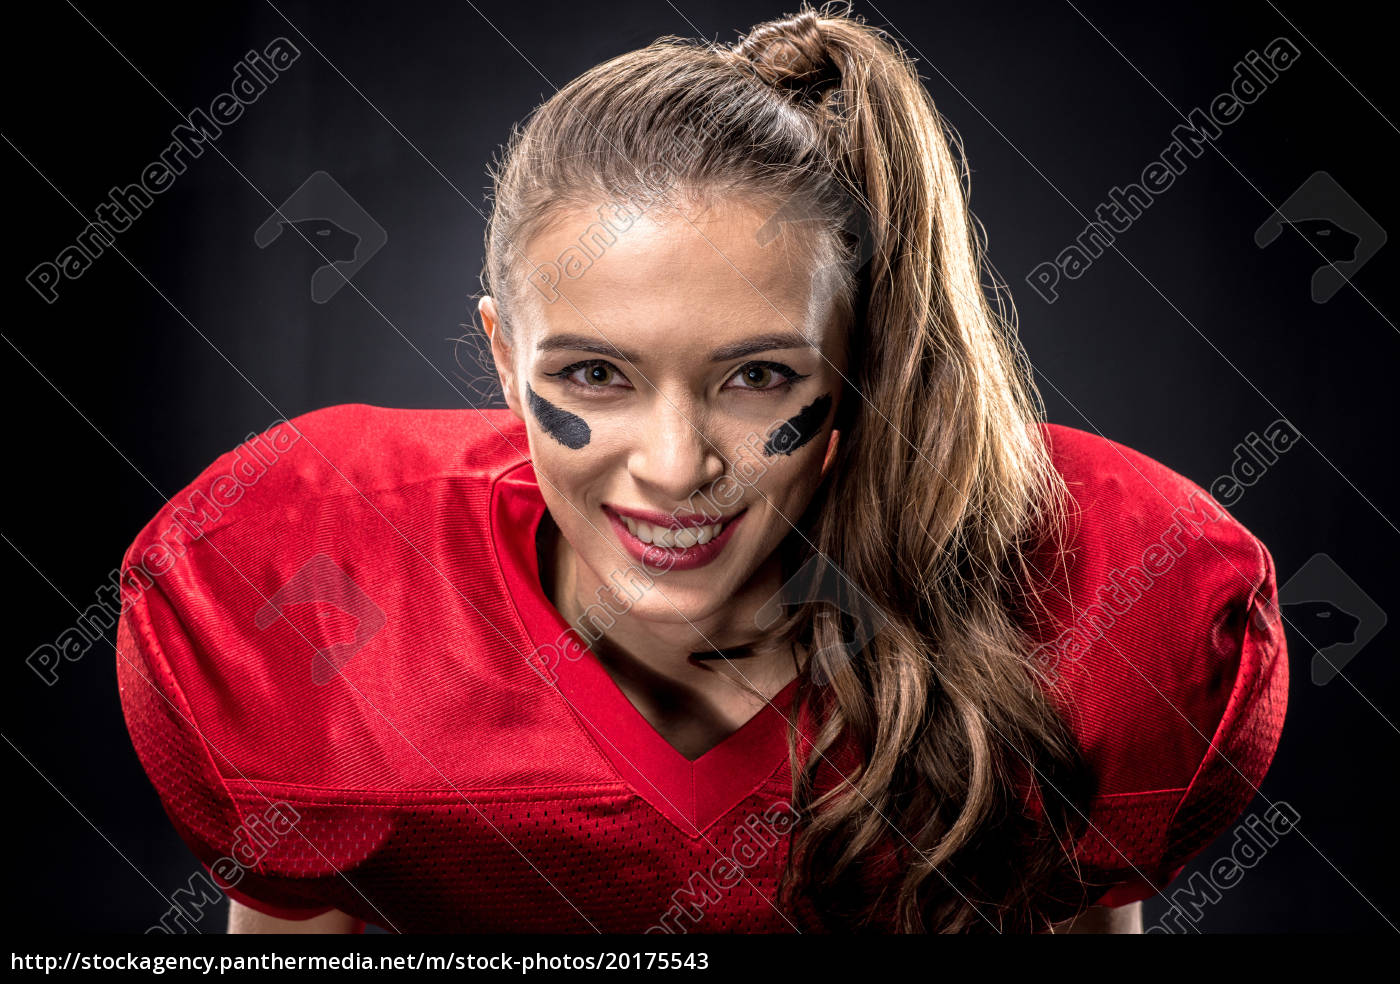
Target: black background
1180, 344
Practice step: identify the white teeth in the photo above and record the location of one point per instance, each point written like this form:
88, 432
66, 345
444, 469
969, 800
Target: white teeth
676, 539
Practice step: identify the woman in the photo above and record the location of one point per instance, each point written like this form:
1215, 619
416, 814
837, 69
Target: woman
767, 605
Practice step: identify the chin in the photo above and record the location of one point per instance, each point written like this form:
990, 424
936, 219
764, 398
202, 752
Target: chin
672, 602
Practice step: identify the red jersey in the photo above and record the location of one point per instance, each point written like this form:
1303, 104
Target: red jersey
340, 671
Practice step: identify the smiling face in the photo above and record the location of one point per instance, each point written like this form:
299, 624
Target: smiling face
679, 394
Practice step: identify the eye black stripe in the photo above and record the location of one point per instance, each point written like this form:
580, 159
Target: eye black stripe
796, 431
569, 429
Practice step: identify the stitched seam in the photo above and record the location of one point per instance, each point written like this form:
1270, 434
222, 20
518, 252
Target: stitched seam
304, 801
1235, 690
393, 797
553, 687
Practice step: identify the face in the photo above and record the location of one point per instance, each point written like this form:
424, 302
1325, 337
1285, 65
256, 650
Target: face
679, 393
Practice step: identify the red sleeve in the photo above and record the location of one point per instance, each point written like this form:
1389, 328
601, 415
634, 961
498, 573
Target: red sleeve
1229, 775
1166, 653
227, 837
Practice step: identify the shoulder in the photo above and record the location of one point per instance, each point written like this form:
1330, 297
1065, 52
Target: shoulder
351, 533
335, 512
304, 626
312, 512
323, 458
1159, 638
302, 537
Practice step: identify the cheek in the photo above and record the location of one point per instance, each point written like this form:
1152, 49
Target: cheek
573, 480
782, 481
780, 460
565, 489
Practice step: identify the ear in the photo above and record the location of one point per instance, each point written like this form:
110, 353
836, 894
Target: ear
831, 443
501, 352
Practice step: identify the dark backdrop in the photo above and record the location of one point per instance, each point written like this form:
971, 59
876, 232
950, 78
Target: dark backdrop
1182, 342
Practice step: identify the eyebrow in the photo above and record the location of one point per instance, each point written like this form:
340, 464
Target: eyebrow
736, 350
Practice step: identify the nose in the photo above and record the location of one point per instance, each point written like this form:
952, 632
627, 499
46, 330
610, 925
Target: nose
672, 459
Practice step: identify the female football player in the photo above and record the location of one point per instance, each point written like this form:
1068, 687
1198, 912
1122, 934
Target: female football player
767, 604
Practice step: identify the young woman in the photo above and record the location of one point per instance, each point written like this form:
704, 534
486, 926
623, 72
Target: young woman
768, 605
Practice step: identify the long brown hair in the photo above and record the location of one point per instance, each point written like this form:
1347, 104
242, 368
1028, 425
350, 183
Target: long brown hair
967, 789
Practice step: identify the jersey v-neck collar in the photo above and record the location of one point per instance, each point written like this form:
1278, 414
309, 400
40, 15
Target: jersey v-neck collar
692, 794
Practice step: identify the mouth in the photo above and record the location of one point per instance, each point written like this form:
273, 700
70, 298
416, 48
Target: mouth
666, 542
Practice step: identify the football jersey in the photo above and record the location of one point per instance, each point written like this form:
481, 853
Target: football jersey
341, 673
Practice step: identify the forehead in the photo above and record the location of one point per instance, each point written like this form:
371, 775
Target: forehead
694, 278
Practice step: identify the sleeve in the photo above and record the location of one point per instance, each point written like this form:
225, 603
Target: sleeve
1167, 829
228, 838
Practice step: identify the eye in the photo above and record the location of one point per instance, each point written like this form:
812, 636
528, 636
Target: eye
591, 374
765, 377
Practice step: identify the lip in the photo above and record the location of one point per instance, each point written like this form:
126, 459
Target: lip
672, 558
